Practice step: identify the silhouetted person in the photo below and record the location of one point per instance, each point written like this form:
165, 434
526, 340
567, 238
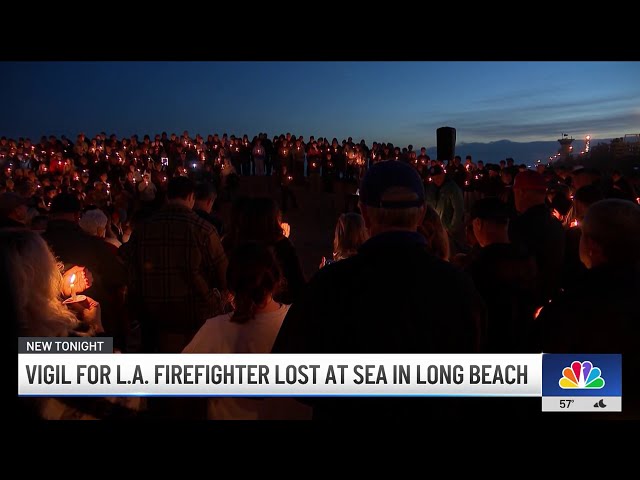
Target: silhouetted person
205, 199
447, 199
375, 302
259, 220
538, 232
177, 270
582, 200
505, 276
601, 313
13, 210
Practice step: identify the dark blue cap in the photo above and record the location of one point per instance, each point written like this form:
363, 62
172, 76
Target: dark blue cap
392, 184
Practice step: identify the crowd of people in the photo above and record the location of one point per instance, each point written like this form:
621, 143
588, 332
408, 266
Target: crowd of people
436, 256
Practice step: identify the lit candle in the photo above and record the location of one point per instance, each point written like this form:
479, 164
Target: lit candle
72, 282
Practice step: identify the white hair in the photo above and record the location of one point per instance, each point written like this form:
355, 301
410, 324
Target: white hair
37, 279
94, 222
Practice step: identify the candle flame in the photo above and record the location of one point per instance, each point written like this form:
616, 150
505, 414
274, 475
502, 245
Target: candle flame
72, 280
536, 314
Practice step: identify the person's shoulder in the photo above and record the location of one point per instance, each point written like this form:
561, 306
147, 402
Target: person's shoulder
205, 224
335, 273
190, 216
208, 334
215, 322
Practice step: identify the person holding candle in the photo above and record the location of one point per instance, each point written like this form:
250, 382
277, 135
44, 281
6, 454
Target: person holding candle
259, 156
298, 161
245, 156
35, 305
574, 269
283, 159
260, 220
539, 232
147, 189
599, 313
73, 246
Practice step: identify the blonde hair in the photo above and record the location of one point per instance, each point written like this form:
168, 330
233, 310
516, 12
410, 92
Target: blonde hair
435, 234
350, 233
37, 282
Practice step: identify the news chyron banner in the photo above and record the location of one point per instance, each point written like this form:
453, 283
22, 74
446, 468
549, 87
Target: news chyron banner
88, 367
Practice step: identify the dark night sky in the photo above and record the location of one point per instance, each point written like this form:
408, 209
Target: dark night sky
402, 102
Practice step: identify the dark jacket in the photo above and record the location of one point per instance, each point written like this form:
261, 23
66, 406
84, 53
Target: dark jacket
378, 301
505, 276
573, 266
175, 261
543, 235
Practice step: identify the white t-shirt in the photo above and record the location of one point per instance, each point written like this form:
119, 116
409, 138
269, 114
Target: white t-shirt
221, 335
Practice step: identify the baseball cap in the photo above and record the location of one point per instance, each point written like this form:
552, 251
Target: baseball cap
489, 208
9, 201
530, 180
65, 203
392, 184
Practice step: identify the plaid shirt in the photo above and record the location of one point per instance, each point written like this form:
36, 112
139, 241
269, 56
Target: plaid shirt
177, 267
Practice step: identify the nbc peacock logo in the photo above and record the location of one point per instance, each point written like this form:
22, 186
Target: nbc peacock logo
581, 375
